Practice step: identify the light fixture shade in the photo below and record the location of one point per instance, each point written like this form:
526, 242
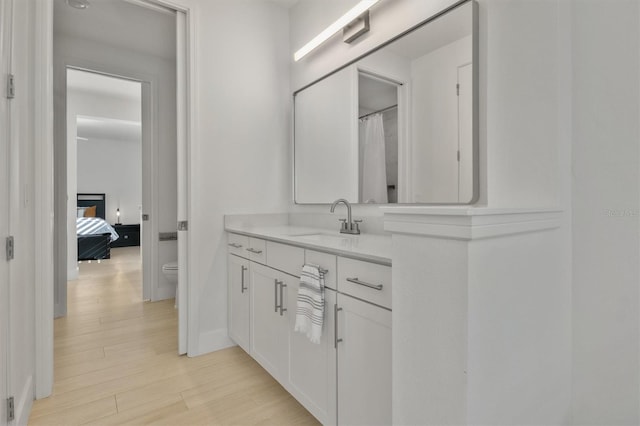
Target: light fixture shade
78, 4
347, 18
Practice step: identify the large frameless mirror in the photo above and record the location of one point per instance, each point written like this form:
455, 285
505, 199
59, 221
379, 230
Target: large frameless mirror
399, 125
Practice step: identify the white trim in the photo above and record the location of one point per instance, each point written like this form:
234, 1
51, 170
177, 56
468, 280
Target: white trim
211, 341
24, 403
193, 335
468, 223
183, 180
149, 192
43, 203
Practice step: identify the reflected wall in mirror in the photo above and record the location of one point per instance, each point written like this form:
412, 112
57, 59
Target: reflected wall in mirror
396, 126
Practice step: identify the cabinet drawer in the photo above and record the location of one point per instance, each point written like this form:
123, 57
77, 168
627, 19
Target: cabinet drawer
257, 250
237, 244
366, 281
325, 261
286, 258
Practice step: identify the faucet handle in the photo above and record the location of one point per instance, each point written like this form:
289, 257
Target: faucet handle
355, 226
344, 225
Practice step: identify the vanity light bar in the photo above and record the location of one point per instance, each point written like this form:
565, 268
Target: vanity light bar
343, 21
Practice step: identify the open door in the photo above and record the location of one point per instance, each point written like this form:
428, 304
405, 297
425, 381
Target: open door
183, 167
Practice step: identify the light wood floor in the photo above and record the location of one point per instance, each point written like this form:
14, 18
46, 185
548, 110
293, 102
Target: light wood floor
116, 363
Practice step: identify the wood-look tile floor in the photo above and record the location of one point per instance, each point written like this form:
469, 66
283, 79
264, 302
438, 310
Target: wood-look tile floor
116, 363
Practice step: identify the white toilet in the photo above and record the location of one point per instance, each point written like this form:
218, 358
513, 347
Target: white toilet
170, 270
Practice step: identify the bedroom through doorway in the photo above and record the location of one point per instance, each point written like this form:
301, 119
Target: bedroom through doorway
104, 134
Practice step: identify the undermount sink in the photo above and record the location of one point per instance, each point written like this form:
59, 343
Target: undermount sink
324, 238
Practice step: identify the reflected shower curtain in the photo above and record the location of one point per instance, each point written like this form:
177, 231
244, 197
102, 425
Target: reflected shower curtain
373, 167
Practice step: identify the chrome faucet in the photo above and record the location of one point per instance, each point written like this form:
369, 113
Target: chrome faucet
348, 226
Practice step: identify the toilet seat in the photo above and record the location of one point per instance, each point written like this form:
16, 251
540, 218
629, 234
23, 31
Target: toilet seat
171, 266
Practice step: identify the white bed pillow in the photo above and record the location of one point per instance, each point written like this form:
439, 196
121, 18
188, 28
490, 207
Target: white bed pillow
80, 212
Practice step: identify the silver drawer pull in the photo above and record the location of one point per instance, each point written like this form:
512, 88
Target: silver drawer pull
335, 326
234, 245
252, 250
357, 281
282, 308
242, 287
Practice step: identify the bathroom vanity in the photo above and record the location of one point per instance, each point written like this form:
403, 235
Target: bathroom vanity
345, 379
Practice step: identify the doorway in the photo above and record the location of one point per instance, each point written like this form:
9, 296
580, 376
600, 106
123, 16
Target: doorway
150, 65
50, 131
104, 168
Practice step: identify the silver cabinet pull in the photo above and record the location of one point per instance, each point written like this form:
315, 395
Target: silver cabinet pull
282, 308
252, 250
366, 284
335, 326
275, 294
242, 287
234, 245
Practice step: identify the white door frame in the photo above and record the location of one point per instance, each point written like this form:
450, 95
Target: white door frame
44, 184
5, 122
149, 166
44, 198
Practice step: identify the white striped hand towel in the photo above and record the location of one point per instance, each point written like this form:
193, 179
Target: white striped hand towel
310, 309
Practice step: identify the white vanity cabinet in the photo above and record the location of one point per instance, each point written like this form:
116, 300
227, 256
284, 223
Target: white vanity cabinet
346, 378
270, 319
363, 336
312, 367
364, 362
239, 301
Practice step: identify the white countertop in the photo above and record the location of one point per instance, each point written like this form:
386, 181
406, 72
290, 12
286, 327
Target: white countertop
367, 247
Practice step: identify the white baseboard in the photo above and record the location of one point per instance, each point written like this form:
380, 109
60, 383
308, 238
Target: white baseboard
166, 292
73, 273
24, 402
211, 341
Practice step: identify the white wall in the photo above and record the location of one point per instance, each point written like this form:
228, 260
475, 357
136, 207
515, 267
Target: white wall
606, 211
240, 157
123, 188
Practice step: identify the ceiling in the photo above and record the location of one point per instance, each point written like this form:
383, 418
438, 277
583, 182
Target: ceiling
286, 3
107, 129
119, 24
105, 90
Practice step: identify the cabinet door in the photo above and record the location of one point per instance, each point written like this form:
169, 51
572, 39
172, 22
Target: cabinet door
270, 331
312, 366
364, 363
239, 301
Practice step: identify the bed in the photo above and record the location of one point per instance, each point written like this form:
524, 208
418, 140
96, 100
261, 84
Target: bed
95, 235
